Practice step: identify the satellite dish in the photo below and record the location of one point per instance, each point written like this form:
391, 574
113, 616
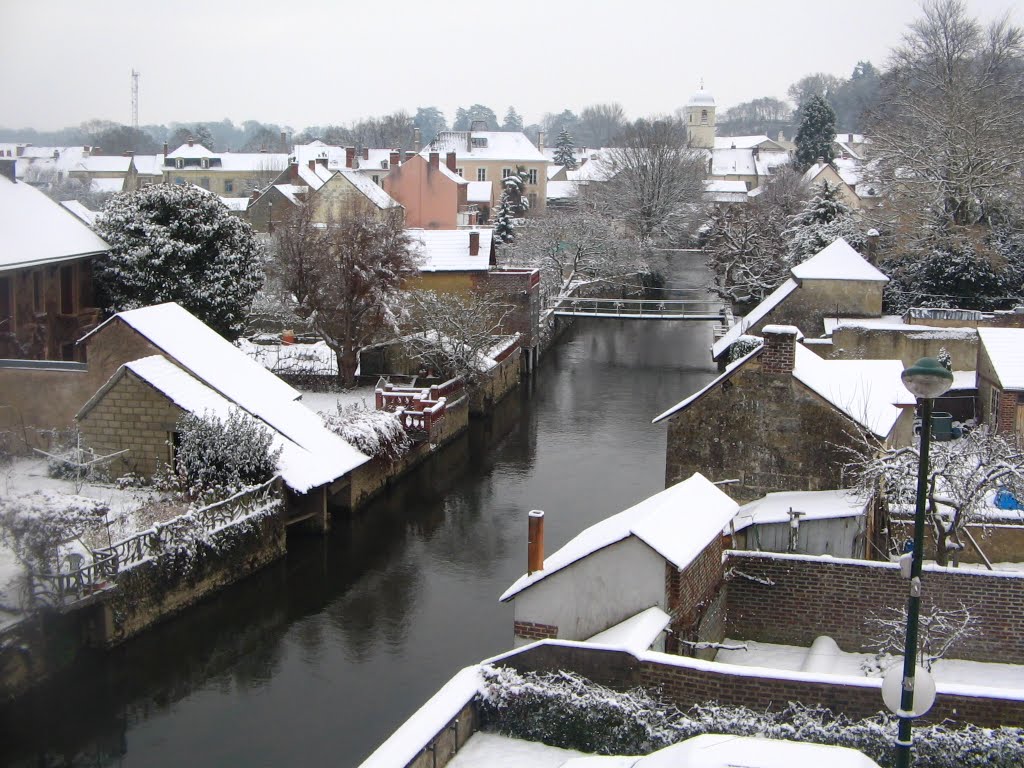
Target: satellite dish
924, 691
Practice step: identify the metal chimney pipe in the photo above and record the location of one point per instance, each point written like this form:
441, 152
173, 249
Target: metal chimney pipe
535, 544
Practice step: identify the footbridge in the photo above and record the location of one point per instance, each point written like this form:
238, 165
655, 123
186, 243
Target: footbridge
697, 308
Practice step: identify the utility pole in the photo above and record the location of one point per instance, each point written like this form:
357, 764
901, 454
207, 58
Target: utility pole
135, 99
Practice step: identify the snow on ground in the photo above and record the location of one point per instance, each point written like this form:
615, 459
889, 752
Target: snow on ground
489, 750
316, 358
328, 402
838, 662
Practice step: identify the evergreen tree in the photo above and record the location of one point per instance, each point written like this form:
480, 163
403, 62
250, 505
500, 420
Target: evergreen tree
817, 132
564, 150
824, 219
515, 187
179, 243
504, 228
513, 121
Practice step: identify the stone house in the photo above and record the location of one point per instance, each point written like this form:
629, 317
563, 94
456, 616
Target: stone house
227, 174
1001, 379
108, 168
160, 362
432, 193
652, 567
837, 281
821, 172
47, 298
778, 418
491, 156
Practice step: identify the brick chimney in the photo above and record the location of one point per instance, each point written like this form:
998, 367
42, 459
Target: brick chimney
7, 165
779, 355
540, 141
417, 140
535, 542
474, 243
293, 172
284, 141
322, 161
408, 153
395, 158
350, 156
312, 165
449, 160
165, 149
433, 159
366, 153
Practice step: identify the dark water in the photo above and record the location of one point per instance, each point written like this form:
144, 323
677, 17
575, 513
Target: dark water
316, 659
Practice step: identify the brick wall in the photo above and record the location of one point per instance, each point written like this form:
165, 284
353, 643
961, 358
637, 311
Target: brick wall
529, 630
1006, 415
686, 682
779, 355
814, 596
131, 416
689, 593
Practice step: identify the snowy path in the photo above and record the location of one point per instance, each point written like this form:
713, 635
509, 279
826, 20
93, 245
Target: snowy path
489, 750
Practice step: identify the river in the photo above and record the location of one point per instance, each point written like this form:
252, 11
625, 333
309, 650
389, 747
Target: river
316, 659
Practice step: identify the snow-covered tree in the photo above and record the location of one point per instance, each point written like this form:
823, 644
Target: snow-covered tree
513, 121
564, 148
824, 219
344, 277
452, 333
379, 434
940, 631
962, 475
817, 132
514, 185
34, 525
179, 243
216, 457
504, 221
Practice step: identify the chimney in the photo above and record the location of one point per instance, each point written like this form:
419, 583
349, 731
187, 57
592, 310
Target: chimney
312, 165
284, 141
56, 154
395, 158
474, 245
7, 168
779, 353
293, 172
535, 543
165, 149
128, 153
449, 160
540, 141
366, 153
849, 138
191, 141
322, 161
433, 159
407, 156
782, 136
417, 140
350, 156
872, 249
821, 161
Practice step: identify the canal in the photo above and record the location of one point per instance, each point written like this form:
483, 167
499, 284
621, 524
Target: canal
316, 659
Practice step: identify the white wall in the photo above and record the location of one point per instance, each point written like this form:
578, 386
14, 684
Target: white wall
597, 592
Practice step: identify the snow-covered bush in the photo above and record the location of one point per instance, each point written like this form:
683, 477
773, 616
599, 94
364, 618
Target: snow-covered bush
216, 458
179, 243
564, 709
940, 631
34, 525
376, 433
743, 346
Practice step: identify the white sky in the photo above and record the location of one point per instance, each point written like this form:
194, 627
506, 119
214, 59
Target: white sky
332, 61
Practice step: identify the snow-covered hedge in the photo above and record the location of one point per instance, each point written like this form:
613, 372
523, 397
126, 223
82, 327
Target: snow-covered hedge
376, 433
33, 525
566, 710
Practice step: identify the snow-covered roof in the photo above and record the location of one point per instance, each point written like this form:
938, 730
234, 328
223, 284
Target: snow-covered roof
637, 633
748, 142
838, 261
815, 505
486, 145
236, 203
186, 151
447, 250
599, 166
868, 391
314, 177
222, 366
677, 523
373, 193
291, 192
263, 162
36, 230
722, 185
756, 315
301, 469
701, 98
561, 190
106, 185
726, 162
149, 165
104, 164
480, 191
87, 216
553, 170
1005, 348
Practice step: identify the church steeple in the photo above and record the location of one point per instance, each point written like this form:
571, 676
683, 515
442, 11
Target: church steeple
700, 118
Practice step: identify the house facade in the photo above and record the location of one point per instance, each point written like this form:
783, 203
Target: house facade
433, 194
1001, 379
227, 174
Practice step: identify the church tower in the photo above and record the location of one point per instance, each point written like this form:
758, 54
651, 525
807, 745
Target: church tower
700, 119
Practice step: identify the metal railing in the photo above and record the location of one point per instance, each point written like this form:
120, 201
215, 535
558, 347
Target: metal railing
639, 309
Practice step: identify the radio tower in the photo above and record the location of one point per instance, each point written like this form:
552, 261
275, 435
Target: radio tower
135, 100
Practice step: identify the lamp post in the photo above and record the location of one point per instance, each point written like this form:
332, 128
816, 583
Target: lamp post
926, 379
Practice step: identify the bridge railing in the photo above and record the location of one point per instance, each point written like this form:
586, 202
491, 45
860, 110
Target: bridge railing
665, 308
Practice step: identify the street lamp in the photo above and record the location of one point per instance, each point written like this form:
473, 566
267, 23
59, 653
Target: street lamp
926, 379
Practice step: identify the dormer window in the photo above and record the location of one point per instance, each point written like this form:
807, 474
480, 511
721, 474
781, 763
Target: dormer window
204, 162
179, 162
479, 141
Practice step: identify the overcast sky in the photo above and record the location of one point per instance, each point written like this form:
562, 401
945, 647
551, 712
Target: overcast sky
317, 62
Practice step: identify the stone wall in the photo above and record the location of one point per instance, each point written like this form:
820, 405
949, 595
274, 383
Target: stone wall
686, 682
851, 342
689, 594
812, 596
26, 415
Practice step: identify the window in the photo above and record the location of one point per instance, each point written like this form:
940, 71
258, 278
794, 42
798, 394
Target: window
204, 162
532, 176
506, 172
229, 186
479, 141
481, 174
204, 182
532, 197
67, 351
179, 181
6, 321
703, 117
376, 179
458, 171
993, 406
67, 290
37, 292
179, 162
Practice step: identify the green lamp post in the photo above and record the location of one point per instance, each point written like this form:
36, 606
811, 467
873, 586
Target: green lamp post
926, 379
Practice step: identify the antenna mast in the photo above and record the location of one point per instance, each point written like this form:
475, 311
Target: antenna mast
135, 99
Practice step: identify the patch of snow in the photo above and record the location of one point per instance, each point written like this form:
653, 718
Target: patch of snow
839, 261
490, 750
637, 632
1005, 348
815, 505
311, 359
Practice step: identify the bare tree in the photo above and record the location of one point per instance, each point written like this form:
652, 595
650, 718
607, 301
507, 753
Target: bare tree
344, 277
940, 631
600, 124
961, 475
453, 333
574, 245
946, 132
655, 180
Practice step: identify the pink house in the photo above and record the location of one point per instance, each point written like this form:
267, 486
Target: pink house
433, 194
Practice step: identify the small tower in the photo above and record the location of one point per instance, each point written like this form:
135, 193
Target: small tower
700, 119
